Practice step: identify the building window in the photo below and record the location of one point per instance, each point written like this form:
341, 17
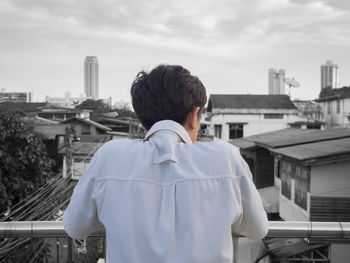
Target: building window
285, 180
328, 107
217, 130
338, 106
235, 131
302, 185
273, 116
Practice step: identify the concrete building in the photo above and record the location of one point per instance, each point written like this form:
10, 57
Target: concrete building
91, 77
329, 75
234, 116
276, 81
335, 107
6, 96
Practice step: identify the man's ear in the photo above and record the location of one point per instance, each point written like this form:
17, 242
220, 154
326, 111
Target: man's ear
193, 118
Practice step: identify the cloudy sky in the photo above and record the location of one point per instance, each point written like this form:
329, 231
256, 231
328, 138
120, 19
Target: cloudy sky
229, 44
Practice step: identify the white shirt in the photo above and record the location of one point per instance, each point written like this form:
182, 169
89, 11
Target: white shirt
164, 199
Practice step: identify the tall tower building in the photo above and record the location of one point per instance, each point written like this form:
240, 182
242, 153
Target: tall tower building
329, 75
276, 81
91, 77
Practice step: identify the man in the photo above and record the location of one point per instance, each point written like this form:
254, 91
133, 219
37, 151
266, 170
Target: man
166, 198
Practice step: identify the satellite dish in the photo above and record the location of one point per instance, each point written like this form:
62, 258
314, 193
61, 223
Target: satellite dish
291, 82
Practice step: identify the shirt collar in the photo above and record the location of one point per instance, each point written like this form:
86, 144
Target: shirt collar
169, 125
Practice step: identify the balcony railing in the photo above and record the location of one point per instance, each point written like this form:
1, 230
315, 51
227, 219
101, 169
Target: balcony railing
329, 231
286, 229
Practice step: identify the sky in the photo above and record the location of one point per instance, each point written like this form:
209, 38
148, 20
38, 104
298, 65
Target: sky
229, 44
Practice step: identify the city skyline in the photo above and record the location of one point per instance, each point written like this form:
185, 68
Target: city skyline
230, 46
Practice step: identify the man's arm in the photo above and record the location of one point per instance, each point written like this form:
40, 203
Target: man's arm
80, 217
253, 222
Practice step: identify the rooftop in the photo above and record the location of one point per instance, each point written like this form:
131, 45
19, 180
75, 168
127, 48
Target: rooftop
234, 101
89, 122
318, 152
332, 94
290, 137
22, 106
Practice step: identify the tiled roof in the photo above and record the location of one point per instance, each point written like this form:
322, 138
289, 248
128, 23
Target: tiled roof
234, 101
332, 94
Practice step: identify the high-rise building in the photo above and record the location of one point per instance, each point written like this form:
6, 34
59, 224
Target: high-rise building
276, 81
329, 75
91, 77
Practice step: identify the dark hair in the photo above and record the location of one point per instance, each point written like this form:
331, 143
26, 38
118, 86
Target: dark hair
168, 92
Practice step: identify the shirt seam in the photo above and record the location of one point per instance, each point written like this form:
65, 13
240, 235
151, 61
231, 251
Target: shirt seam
166, 184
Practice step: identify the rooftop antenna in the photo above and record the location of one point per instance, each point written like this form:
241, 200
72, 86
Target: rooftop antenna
292, 83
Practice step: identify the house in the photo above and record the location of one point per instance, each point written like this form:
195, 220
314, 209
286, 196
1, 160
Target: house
308, 109
76, 157
315, 181
335, 106
301, 175
85, 126
59, 113
53, 133
231, 116
273, 166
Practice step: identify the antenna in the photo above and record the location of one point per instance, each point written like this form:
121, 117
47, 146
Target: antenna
292, 83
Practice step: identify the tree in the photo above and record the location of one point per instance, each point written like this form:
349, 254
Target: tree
24, 162
97, 106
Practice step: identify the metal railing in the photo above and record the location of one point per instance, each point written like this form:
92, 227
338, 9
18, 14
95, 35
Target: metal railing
286, 229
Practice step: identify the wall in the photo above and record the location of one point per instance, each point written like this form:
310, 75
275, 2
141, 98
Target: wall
334, 118
289, 211
331, 180
255, 123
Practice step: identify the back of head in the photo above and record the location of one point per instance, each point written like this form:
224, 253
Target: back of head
168, 92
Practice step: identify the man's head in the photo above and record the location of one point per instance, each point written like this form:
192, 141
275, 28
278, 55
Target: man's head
168, 92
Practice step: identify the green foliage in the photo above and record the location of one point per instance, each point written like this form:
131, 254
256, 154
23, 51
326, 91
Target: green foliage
24, 163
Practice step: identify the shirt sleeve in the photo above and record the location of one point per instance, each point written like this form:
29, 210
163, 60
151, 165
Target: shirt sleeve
80, 218
253, 222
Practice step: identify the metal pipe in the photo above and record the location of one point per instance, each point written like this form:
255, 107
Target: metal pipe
324, 230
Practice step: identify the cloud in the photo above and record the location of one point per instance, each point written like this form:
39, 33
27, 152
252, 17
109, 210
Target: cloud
202, 23
227, 36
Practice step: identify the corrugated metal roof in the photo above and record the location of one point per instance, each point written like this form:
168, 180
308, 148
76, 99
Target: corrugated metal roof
242, 143
89, 122
85, 148
316, 150
289, 137
235, 101
284, 247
